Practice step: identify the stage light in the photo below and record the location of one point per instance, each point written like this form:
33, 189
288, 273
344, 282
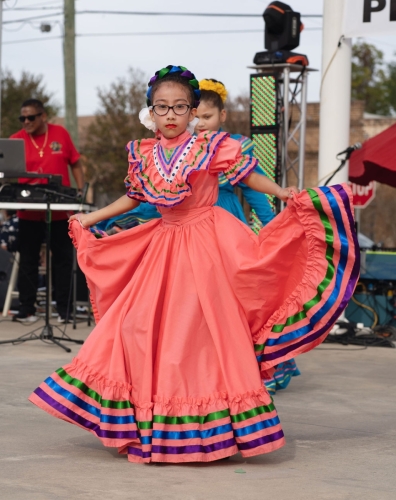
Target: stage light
264, 108
282, 27
266, 151
281, 36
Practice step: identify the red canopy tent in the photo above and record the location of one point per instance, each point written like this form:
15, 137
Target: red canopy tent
376, 161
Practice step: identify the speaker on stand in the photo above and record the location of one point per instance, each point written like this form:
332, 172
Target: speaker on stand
6, 263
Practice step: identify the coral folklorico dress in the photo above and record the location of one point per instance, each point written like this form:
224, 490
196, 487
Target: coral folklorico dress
193, 309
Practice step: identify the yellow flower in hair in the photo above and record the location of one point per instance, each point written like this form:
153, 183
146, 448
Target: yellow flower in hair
217, 87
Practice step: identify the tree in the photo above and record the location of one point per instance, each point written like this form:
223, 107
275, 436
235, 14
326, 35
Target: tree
372, 79
116, 123
391, 85
238, 115
14, 92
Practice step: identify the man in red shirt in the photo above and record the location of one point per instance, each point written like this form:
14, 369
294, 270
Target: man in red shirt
49, 150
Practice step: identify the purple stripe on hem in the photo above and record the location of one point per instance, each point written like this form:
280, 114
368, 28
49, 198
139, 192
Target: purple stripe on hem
344, 302
198, 448
260, 441
101, 433
139, 453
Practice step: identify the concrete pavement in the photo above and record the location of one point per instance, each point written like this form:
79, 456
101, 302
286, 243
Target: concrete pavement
339, 418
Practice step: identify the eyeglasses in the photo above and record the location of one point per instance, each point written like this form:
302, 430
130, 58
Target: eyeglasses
178, 109
31, 118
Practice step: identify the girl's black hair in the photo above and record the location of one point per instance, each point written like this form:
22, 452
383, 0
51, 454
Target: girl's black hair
174, 78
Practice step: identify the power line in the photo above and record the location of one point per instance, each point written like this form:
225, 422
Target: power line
40, 4
26, 19
162, 33
214, 32
189, 14
33, 8
139, 13
143, 33
33, 40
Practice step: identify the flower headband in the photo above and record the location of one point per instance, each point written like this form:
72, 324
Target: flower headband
214, 86
181, 71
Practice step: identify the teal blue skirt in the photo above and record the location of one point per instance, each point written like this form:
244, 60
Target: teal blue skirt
230, 202
282, 376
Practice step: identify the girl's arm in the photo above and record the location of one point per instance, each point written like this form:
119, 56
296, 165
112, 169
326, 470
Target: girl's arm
264, 185
120, 206
259, 203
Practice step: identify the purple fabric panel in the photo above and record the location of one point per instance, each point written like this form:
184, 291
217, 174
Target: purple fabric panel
84, 422
139, 453
196, 448
260, 441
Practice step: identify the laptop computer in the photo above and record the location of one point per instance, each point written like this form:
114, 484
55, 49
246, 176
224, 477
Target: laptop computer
12, 158
13, 161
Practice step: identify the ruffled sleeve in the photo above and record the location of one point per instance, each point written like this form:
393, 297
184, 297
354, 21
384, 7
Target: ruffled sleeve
137, 158
230, 160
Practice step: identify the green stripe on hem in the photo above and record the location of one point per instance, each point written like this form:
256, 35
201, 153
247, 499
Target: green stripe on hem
329, 238
106, 403
161, 419
240, 417
191, 419
202, 419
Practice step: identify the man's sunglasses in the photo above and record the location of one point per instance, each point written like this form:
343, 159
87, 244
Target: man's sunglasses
31, 118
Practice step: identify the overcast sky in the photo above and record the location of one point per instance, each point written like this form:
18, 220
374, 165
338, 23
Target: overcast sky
102, 59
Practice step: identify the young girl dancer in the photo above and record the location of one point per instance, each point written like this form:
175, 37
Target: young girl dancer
212, 115
193, 309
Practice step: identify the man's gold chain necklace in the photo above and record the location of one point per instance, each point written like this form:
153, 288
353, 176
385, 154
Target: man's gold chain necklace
40, 150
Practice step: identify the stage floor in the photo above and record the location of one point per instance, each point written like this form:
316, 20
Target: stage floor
339, 418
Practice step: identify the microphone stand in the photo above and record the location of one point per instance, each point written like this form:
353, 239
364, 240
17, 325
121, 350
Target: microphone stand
341, 166
47, 331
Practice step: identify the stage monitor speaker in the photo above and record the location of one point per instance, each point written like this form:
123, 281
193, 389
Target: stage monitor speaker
6, 262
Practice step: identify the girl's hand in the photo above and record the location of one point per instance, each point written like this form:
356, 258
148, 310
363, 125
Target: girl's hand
83, 219
286, 193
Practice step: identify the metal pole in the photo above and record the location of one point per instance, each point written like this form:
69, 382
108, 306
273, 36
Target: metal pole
69, 52
285, 124
335, 97
303, 129
1, 46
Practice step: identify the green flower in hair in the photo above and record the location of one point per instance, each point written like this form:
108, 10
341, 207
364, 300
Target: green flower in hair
181, 71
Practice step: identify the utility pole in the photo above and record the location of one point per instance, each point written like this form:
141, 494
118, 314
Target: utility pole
335, 96
1, 46
69, 55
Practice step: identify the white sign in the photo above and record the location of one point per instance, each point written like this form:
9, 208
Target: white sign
369, 17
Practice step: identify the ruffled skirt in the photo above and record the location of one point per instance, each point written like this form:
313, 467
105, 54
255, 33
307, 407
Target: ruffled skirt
192, 311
